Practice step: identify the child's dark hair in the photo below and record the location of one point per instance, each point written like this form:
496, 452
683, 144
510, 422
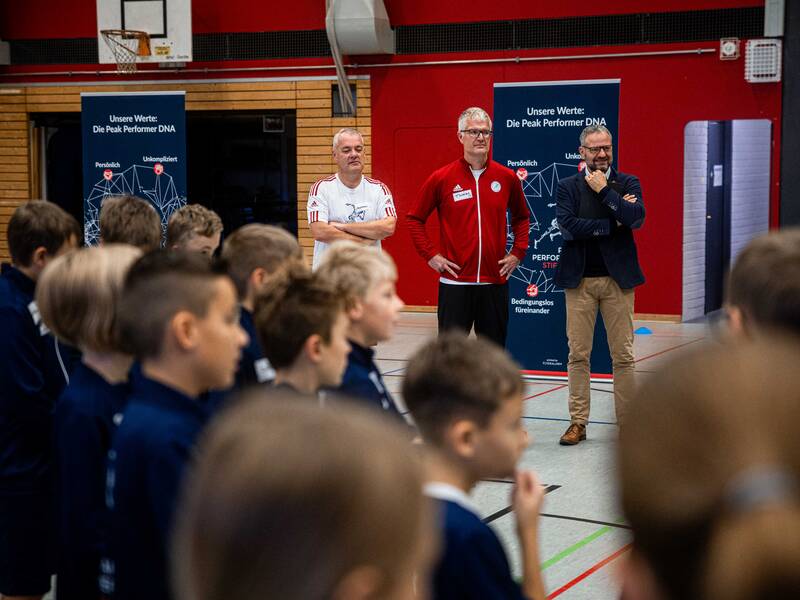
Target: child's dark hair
764, 282
39, 224
710, 472
158, 285
456, 377
130, 220
293, 306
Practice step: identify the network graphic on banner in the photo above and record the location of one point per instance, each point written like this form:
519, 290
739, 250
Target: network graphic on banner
152, 183
539, 188
536, 134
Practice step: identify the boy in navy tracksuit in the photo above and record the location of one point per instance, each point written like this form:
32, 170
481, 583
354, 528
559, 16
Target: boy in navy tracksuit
302, 326
466, 398
253, 254
180, 318
77, 297
31, 378
366, 278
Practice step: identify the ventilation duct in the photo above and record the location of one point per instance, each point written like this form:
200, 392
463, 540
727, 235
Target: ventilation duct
360, 26
356, 27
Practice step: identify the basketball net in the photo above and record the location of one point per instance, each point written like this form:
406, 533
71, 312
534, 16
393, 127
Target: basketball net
126, 45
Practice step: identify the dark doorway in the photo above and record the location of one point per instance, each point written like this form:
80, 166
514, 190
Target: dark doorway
718, 213
243, 165
59, 134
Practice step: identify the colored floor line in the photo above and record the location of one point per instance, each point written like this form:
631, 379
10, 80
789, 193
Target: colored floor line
589, 571
558, 387
559, 419
575, 547
393, 371
582, 520
638, 360
601, 390
504, 511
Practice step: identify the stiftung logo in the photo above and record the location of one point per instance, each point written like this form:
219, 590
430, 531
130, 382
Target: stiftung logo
522, 174
532, 290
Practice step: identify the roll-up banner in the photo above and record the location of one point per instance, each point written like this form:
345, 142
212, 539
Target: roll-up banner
133, 143
537, 127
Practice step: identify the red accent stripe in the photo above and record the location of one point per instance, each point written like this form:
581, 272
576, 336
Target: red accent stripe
564, 374
380, 183
558, 387
314, 215
667, 350
315, 187
589, 571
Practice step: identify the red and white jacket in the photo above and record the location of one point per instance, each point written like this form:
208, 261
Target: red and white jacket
472, 219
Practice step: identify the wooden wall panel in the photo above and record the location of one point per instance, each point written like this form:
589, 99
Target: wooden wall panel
312, 101
15, 157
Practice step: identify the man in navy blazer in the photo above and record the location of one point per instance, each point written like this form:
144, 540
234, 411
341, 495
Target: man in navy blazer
597, 210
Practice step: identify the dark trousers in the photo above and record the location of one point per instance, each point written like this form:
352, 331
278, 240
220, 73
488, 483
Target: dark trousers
484, 306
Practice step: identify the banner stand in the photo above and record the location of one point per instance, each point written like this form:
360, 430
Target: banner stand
133, 143
537, 128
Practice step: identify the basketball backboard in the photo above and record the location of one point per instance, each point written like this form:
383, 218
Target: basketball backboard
168, 22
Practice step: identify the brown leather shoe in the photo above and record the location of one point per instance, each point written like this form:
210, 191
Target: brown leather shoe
573, 435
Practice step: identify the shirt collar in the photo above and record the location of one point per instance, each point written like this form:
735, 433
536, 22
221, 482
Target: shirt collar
450, 493
150, 391
362, 353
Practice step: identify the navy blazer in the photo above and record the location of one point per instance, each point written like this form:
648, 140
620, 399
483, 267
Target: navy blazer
614, 234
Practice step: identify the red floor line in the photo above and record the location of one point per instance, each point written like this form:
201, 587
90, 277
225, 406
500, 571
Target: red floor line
589, 571
638, 360
558, 387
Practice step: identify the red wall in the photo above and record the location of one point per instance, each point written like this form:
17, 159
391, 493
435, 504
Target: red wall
414, 109
36, 19
414, 112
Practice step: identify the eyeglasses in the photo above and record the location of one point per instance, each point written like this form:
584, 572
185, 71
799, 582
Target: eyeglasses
475, 133
597, 149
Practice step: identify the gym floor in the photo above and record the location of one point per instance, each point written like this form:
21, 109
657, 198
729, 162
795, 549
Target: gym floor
583, 534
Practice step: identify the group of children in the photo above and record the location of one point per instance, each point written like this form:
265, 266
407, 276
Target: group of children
173, 426
121, 358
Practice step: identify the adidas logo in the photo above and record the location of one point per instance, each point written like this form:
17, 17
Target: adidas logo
458, 188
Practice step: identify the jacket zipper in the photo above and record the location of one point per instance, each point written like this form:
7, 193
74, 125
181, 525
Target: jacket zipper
480, 237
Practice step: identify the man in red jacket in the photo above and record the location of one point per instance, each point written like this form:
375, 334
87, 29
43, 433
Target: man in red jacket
471, 196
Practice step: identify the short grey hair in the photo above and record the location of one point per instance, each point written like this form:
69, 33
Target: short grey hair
475, 113
590, 129
346, 131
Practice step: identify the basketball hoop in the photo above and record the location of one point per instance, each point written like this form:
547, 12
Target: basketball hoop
126, 45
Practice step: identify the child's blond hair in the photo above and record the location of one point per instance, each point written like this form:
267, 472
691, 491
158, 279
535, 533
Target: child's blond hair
353, 269
78, 293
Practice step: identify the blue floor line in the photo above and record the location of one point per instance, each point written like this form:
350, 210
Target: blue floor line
557, 419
